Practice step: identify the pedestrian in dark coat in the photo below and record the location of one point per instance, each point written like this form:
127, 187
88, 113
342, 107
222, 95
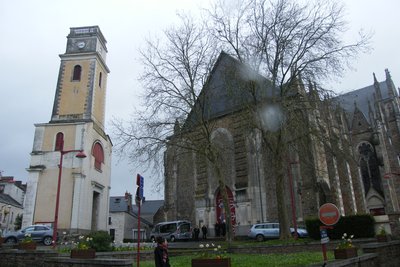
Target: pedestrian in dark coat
196, 231
161, 253
204, 231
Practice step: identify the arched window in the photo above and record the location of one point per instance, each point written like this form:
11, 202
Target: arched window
77, 73
100, 76
59, 142
98, 154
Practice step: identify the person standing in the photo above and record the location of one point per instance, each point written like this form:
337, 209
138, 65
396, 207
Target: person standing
196, 231
161, 253
204, 231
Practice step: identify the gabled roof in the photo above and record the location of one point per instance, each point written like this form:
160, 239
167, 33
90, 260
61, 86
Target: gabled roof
119, 204
6, 199
231, 85
149, 207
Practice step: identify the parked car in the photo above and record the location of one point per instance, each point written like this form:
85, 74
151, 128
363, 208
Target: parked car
174, 230
261, 231
38, 232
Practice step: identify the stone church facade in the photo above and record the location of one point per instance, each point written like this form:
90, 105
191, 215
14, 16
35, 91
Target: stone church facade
358, 171
77, 124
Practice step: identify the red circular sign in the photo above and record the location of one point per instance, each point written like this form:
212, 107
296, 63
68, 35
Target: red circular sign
328, 214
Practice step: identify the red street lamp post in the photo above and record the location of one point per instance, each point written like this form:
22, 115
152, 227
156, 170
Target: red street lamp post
80, 155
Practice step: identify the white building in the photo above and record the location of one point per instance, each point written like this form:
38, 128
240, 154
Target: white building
12, 195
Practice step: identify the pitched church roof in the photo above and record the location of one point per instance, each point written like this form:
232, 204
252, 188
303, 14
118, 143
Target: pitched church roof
363, 96
230, 86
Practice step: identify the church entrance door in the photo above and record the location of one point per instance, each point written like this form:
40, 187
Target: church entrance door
220, 211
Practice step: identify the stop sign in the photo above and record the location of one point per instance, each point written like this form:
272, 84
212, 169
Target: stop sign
328, 214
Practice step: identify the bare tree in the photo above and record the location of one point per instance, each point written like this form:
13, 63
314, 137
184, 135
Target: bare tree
285, 40
175, 71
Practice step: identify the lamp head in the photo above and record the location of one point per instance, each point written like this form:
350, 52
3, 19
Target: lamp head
81, 155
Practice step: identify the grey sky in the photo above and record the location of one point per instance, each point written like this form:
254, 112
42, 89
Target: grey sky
33, 34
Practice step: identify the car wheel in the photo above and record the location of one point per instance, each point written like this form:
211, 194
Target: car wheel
11, 240
47, 240
294, 235
260, 238
172, 238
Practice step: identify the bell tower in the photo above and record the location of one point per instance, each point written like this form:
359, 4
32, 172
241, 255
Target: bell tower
77, 124
82, 80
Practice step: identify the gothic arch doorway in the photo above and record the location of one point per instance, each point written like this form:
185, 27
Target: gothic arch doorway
220, 210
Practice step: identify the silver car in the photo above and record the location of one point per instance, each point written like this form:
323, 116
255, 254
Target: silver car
175, 230
261, 231
38, 232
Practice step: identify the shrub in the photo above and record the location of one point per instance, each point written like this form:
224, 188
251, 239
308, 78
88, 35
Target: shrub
360, 226
100, 241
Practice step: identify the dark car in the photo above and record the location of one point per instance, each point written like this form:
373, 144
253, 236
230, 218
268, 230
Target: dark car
39, 233
263, 231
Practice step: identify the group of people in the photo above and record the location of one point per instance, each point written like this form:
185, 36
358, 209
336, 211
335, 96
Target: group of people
196, 231
220, 228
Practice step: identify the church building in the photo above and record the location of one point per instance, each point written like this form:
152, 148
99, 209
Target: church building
70, 166
357, 167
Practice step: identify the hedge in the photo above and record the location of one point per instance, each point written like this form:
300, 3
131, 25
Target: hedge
361, 226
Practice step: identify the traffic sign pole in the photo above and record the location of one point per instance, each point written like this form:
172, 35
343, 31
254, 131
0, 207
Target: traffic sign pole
138, 200
329, 215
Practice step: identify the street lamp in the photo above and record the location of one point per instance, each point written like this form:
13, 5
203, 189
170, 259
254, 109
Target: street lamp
80, 155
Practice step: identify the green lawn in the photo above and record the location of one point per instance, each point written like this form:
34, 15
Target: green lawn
254, 260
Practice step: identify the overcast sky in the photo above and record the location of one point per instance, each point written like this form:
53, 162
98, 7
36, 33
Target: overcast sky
33, 34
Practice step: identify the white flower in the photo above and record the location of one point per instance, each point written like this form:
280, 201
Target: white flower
215, 249
352, 236
207, 245
212, 244
344, 235
64, 233
219, 246
201, 246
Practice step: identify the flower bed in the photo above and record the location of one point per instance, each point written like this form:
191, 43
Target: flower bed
225, 262
83, 253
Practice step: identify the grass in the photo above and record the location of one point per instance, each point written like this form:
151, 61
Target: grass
254, 260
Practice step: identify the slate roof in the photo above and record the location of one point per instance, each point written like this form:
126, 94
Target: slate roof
6, 199
361, 97
149, 206
119, 204
227, 90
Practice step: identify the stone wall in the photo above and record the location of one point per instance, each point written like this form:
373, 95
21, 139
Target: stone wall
388, 252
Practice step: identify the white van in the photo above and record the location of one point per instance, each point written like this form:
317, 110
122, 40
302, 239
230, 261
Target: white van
175, 230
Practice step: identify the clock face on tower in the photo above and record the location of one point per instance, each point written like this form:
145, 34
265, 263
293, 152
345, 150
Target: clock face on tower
80, 44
